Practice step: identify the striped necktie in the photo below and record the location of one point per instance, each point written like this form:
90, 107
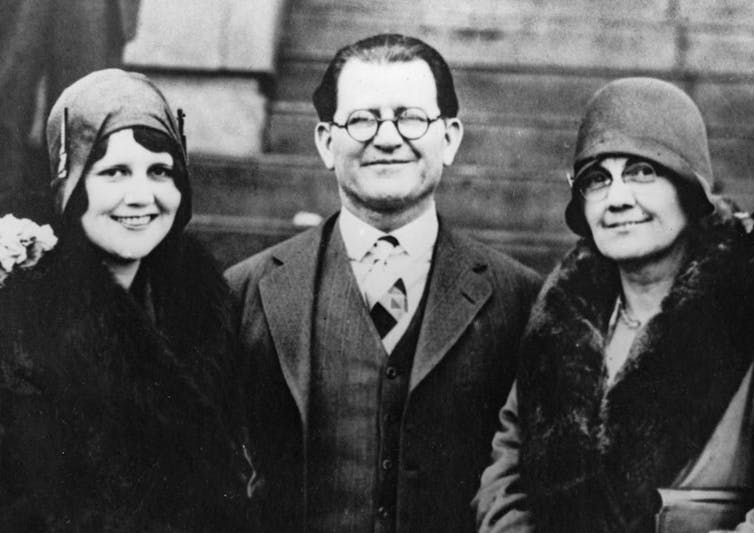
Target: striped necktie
386, 291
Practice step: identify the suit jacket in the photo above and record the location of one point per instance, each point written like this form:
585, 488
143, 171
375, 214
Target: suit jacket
477, 304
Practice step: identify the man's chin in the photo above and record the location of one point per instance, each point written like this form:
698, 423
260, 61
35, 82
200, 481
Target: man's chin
391, 205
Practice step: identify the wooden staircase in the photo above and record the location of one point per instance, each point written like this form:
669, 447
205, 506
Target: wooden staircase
523, 75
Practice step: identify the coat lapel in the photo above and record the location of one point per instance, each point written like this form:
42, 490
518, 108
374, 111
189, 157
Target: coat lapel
629, 438
457, 291
287, 293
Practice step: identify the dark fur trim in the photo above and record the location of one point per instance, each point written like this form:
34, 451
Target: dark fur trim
130, 420
592, 456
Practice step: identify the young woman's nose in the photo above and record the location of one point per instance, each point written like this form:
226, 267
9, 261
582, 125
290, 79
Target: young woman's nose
139, 189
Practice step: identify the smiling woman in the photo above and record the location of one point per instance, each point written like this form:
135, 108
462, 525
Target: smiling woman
635, 387
117, 351
132, 197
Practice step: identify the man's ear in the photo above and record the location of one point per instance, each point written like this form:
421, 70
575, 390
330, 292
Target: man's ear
323, 141
452, 139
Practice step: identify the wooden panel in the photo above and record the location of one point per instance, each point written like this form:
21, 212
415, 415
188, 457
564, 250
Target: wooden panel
734, 12
725, 104
497, 40
517, 147
472, 196
531, 143
292, 133
276, 190
722, 50
547, 94
470, 12
231, 240
733, 165
521, 141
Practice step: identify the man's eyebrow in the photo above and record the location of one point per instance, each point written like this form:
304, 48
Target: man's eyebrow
377, 111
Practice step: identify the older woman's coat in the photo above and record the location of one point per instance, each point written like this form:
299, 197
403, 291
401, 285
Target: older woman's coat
579, 454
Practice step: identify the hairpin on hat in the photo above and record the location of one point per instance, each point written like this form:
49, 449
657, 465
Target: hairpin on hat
181, 119
63, 153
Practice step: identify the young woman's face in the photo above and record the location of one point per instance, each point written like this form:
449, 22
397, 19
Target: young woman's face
132, 199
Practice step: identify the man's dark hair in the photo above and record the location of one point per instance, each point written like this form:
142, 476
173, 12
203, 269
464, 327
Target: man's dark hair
386, 48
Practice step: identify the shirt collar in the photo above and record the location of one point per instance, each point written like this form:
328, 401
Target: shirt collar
415, 237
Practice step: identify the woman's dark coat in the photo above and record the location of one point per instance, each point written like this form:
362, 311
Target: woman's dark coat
116, 408
591, 454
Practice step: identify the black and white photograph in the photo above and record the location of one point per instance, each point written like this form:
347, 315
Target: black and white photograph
399, 266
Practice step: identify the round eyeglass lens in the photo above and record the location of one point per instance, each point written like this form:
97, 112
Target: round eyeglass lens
362, 125
593, 183
413, 123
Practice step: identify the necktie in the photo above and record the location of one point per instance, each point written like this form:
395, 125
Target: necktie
386, 291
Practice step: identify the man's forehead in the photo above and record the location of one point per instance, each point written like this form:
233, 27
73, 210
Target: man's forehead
368, 84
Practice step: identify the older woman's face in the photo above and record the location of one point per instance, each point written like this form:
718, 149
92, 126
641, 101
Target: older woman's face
635, 214
132, 198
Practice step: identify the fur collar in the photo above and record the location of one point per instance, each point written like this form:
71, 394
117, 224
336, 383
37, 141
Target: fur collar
127, 392
592, 455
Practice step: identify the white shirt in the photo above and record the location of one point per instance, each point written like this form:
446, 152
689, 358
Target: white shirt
416, 243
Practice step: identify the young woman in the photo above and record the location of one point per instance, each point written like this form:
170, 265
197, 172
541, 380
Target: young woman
117, 403
635, 383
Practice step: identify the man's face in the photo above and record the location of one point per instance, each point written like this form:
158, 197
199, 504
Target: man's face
387, 175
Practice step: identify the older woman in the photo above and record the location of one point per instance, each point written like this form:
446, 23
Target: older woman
635, 378
116, 404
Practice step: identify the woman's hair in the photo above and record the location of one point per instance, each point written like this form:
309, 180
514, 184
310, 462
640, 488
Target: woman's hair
151, 139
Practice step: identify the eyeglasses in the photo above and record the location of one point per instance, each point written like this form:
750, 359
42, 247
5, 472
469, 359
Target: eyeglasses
593, 182
362, 125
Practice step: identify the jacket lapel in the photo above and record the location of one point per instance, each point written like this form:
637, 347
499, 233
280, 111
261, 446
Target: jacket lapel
287, 293
457, 291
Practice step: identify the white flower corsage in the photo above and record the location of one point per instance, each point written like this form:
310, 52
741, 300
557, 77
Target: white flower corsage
22, 243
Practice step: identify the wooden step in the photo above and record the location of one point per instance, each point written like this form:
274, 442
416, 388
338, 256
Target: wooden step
280, 186
481, 197
488, 139
554, 95
528, 143
243, 206
495, 90
654, 35
231, 239
490, 35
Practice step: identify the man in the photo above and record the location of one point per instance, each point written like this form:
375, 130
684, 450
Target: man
381, 342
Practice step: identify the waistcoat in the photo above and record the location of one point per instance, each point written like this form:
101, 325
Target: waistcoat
357, 399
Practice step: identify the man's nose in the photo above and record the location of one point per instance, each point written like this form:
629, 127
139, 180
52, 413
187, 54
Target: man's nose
139, 189
387, 136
